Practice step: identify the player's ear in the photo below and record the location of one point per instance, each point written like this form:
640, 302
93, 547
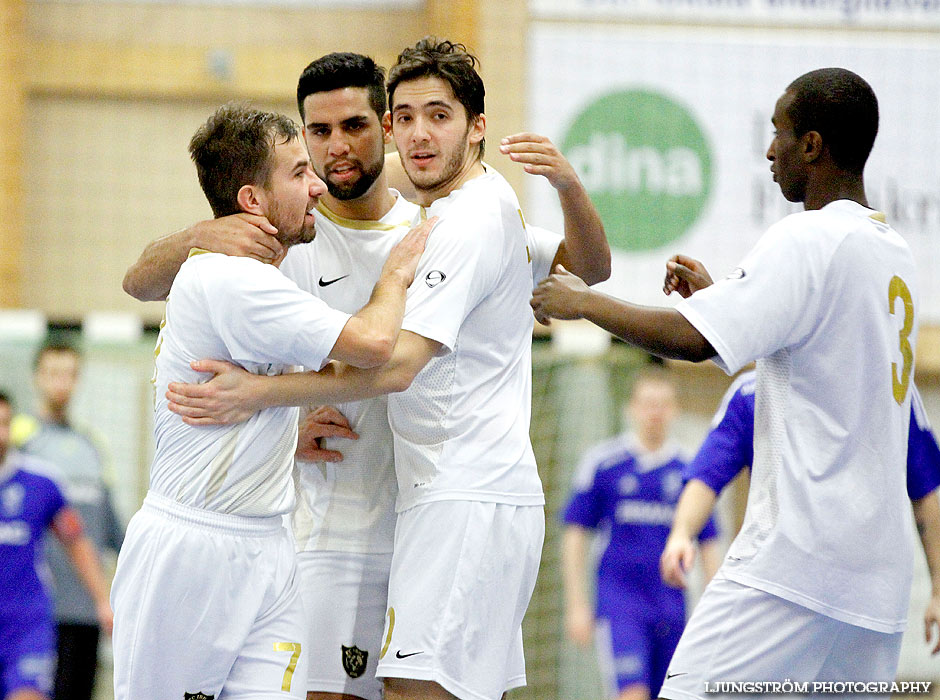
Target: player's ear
387, 126
478, 129
812, 146
251, 199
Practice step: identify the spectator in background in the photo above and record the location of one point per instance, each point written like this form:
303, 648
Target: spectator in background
31, 503
50, 436
628, 486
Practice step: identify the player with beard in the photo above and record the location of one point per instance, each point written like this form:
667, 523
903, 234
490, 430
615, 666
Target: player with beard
205, 594
344, 519
470, 517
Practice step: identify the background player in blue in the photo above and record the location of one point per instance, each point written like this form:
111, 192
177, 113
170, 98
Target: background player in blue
76, 452
30, 503
628, 487
729, 448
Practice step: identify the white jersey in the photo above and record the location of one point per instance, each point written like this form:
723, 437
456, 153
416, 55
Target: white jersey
827, 299
350, 506
248, 313
462, 428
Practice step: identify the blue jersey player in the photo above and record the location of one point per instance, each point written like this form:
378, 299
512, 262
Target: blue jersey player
628, 487
729, 448
30, 503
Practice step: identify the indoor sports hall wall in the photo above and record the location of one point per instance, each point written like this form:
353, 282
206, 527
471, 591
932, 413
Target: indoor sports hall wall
663, 105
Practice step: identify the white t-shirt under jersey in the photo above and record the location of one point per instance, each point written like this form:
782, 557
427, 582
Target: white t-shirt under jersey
827, 299
462, 428
350, 506
248, 313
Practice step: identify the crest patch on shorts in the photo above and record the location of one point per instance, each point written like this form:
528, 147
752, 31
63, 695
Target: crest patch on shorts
197, 696
354, 661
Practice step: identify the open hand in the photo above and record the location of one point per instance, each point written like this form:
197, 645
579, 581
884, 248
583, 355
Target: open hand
223, 400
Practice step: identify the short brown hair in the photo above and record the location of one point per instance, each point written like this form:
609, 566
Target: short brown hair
235, 147
449, 61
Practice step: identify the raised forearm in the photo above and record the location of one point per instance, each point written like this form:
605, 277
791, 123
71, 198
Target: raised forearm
658, 330
369, 337
150, 278
585, 250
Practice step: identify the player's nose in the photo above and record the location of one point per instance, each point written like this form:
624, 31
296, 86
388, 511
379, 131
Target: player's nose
317, 186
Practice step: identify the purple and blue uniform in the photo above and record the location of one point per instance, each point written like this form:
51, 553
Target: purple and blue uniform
729, 447
29, 502
631, 494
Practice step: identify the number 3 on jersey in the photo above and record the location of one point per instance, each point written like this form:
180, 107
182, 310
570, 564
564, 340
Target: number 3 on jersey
897, 289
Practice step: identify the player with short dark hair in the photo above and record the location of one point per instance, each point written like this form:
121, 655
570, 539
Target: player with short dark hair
826, 304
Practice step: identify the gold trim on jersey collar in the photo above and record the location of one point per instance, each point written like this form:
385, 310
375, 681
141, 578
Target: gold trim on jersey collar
359, 224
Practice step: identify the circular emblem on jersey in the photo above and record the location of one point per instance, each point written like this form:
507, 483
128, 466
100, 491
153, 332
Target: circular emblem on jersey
11, 499
646, 164
434, 278
671, 485
628, 484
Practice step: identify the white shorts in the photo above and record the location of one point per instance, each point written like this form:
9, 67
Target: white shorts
739, 633
345, 595
206, 604
462, 576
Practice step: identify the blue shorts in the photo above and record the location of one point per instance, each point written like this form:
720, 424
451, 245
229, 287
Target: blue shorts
637, 633
27, 655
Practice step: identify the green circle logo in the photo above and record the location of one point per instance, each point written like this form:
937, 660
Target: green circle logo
645, 163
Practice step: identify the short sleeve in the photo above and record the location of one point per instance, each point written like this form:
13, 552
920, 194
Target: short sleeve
543, 246
584, 507
729, 445
768, 303
460, 266
262, 316
923, 454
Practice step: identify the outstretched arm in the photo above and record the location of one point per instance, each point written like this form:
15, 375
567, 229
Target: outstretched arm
927, 516
234, 395
246, 235
696, 503
584, 250
658, 330
80, 550
579, 618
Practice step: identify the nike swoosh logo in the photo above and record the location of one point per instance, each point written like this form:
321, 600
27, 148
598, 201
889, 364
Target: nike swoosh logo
327, 283
673, 675
399, 655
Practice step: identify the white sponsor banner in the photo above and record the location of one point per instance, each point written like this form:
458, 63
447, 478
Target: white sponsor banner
702, 185
859, 13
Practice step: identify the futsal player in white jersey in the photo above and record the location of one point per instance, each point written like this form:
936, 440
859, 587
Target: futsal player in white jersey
344, 518
816, 585
205, 595
470, 524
